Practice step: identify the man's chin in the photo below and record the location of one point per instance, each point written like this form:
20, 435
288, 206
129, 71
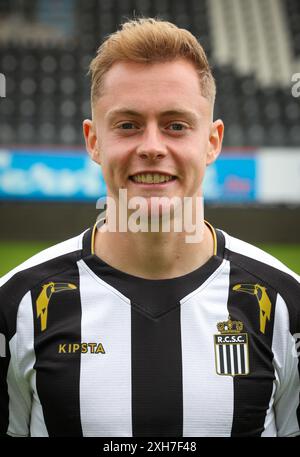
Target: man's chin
146, 209
155, 217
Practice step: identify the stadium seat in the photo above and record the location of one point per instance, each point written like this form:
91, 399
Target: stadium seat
48, 92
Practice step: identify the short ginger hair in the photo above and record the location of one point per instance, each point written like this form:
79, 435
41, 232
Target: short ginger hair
149, 40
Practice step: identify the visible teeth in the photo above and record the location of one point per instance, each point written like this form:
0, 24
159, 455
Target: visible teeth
151, 178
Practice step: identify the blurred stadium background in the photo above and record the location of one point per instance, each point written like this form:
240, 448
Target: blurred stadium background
48, 186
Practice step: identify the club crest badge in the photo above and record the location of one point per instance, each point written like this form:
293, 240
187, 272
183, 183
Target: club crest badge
231, 349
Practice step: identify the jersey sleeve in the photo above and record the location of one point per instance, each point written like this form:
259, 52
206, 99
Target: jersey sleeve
287, 398
15, 396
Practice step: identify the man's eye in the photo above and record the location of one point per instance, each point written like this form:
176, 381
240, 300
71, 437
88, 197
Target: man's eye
126, 126
177, 126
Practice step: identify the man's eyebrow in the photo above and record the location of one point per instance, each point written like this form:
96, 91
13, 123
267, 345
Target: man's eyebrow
174, 112
122, 111
184, 113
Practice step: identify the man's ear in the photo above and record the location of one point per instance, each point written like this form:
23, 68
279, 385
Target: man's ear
91, 141
215, 141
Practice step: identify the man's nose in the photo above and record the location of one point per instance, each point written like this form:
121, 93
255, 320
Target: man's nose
152, 145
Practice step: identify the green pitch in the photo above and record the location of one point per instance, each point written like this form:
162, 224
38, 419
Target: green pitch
13, 253
289, 254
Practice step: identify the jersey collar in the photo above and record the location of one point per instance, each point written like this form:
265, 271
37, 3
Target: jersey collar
89, 238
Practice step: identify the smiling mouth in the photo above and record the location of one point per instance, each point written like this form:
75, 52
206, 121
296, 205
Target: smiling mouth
151, 178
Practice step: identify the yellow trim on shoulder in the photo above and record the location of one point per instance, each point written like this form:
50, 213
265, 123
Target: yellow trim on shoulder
93, 239
214, 236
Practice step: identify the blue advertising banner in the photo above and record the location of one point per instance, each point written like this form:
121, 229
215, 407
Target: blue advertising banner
47, 175
232, 179
61, 175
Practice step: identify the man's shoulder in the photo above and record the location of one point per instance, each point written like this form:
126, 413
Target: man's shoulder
254, 258
36, 269
254, 264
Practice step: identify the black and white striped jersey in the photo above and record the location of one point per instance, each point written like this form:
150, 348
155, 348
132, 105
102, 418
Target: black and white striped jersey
93, 351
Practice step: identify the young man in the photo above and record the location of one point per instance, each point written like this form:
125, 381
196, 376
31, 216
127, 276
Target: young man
141, 333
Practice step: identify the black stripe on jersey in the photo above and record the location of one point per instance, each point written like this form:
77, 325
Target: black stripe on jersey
220, 243
4, 398
157, 397
8, 316
228, 358
58, 372
243, 269
87, 242
243, 368
235, 358
253, 391
221, 358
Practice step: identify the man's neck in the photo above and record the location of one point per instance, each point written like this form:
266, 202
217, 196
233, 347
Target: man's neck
153, 255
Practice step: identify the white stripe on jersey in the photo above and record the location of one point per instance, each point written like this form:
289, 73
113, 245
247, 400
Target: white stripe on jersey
19, 393
232, 360
223, 349
26, 359
106, 319
201, 385
21, 368
287, 393
19, 398
270, 422
73, 244
37, 424
246, 358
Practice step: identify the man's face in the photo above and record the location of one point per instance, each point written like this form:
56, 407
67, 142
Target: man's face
152, 118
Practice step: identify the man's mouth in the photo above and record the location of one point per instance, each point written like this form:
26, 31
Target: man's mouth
151, 178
